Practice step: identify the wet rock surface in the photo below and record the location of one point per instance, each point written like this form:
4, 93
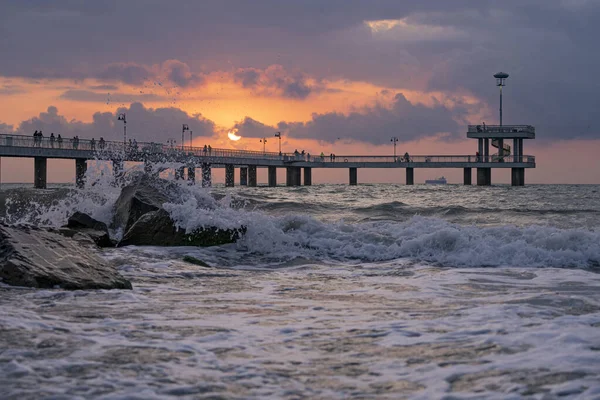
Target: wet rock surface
39, 258
80, 224
143, 195
156, 228
140, 215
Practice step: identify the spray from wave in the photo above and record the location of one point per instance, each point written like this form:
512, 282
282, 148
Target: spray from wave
425, 239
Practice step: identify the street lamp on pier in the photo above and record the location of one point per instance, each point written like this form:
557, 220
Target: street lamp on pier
184, 128
278, 135
121, 117
191, 140
395, 140
501, 82
264, 142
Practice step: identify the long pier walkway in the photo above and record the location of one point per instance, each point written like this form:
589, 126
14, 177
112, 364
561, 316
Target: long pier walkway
41, 149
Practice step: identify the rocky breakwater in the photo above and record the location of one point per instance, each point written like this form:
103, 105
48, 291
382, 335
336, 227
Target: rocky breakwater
140, 217
43, 258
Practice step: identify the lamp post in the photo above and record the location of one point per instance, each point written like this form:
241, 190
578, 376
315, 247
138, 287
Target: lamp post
278, 135
501, 82
121, 117
191, 140
184, 128
264, 142
395, 140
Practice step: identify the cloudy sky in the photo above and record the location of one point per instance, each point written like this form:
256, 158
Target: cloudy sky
340, 76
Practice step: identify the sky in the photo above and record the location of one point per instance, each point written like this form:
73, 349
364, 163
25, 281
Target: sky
338, 76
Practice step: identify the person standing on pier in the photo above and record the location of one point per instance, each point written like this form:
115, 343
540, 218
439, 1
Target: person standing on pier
40, 136
59, 141
101, 143
35, 138
52, 139
93, 144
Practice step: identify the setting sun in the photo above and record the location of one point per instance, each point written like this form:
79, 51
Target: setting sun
233, 136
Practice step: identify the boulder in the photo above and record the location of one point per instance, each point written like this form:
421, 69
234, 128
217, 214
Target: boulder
157, 229
39, 258
137, 199
83, 224
80, 220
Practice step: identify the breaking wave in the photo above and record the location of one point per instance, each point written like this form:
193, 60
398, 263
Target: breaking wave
278, 230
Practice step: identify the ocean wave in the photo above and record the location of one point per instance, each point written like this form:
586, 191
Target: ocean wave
425, 239
281, 229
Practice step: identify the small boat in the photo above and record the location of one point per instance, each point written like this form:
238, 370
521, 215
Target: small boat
438, 181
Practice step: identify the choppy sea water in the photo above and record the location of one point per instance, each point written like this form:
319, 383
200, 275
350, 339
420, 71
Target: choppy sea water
374, 291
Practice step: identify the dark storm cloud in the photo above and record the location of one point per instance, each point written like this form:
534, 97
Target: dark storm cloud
143, 124
548, 46
378, 124
375, 125
96, 97
252, 128
276, 81
129, 74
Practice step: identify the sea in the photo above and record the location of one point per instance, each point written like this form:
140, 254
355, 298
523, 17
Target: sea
375, 291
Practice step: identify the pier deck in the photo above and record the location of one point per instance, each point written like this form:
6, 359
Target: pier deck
199, 157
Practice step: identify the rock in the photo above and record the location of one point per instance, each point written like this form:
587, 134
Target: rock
137, 199
39, 258
80, 223
195, 261
157, 229
80, 220
88, 236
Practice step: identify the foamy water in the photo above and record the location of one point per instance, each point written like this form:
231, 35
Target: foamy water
335, 292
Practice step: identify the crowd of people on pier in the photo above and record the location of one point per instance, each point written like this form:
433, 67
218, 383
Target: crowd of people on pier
132, 147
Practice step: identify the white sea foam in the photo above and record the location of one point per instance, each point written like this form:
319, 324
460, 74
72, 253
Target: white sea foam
422, 239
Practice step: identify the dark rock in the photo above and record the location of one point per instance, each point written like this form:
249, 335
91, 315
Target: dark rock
135, 200
40, 258
157, 229
88, 236
80, 220
80, 223
195, 261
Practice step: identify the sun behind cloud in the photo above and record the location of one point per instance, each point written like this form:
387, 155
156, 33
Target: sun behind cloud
232, 136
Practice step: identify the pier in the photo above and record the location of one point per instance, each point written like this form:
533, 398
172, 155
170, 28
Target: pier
297, 166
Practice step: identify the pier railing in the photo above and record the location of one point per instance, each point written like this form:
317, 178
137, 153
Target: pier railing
139, 149
501, 129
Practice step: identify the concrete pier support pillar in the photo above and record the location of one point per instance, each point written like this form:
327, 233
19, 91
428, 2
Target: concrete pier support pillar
520, 150
244, 176
206, 175
118, 167
229, 175
500, 147
252, 175
467, 176
480, 147
289, 176
80, 170
40, 172
484, 176
272, 176
191, 174
486, 150
517, 176
353, 172
179, 172
410, 176
292, 176
515, 150
307, 176
297, 176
